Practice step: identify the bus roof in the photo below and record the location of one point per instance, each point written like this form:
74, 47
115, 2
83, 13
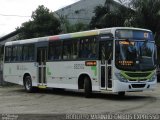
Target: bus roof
71, 35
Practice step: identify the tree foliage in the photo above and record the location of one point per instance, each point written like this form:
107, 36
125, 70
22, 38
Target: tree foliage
135, 13
43, 23
147, 15
67, 27
112, 14
76, 27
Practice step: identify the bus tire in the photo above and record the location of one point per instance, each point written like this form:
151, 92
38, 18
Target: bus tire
121, 94
87, 87
28, 84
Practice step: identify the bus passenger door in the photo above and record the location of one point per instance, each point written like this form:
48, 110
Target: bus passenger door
41, 59
106, 57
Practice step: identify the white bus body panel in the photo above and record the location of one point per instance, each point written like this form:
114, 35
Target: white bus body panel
58, 74
65, 74
14, 72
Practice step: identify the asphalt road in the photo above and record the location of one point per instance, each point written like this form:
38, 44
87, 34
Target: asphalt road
14, 100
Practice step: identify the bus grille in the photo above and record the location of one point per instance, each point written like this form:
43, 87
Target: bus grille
137, 79
138, 85
138, 74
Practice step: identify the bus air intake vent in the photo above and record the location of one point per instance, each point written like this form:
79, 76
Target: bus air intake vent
137, 79
137, 74
138, 85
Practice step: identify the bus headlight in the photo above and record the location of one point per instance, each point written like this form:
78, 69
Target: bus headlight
153, 78
121, 78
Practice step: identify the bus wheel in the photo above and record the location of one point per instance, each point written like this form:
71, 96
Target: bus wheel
121, 94
28, 84
87, 87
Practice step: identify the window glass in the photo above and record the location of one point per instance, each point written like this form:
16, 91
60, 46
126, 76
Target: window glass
19, 53
135, 55
88, 48
14, 53
31, 52
74, 49
70, 49
8, 53
54, 50
28, 53
67, 50
25, 53
106, 51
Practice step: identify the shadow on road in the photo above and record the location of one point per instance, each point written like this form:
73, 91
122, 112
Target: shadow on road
107, 96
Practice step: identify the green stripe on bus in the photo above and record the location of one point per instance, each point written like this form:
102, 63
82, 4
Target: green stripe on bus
94, 68
48, 72
123, 73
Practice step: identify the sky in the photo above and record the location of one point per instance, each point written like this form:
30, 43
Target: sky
15, 12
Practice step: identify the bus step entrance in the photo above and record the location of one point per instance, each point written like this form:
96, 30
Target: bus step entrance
42, 86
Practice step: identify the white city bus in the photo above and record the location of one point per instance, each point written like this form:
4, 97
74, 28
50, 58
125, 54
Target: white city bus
119, 59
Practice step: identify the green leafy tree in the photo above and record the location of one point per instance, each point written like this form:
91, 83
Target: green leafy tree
80, 27
147, 15
43, 23
67, 27
112, 14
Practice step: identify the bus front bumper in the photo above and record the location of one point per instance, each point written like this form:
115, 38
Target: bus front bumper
133, 86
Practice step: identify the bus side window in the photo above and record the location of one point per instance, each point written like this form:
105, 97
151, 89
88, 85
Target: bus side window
8, 53
84, 51
88, 48
51, 51
19, 53
54, 50
66, 51
28, 52
70, 49
93, 48
25, 51
74, 49
14, 52
31, 52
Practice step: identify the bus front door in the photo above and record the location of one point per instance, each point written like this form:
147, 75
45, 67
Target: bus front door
106, 54
41, 59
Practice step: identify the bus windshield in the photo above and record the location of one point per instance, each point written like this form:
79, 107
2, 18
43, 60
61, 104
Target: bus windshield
135, 55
